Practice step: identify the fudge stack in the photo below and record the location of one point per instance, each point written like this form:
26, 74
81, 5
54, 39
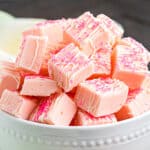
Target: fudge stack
76, 72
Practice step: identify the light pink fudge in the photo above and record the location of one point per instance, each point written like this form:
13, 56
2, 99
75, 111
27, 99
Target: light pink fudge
101, 97
16, 105
88, 34
58, 109
10, 78
70, 67
54, 30
102, 63
38, 86
136, 46
111, 26
7, 65
31, 53
84, 119
127, 64
137, 103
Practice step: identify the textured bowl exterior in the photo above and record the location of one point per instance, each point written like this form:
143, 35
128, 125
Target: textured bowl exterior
17, 134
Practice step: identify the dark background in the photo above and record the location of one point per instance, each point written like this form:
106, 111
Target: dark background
134, 15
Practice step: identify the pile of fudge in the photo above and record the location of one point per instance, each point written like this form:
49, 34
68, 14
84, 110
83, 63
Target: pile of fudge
76, 72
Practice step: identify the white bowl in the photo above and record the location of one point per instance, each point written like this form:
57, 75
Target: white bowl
17, 134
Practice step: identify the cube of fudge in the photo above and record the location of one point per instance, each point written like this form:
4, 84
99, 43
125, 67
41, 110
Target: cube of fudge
38, 86
102, 63
31, 53
87, 33
70, 67
10, 78
137, 103
7, 65
8, 81
84, 119
101, 97
58, 109
16, 105
131, 42
54, 30
129, 66
113, 27
137, 46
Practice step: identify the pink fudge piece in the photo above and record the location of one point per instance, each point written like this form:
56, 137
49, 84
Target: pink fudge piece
16, 105
129, 64
9, 77
38, 86
32, 52
7, 65
55, 110
137, 46
131, 42
84, 119
9, 81
70, 67
54, 30
114, 28
102, 63
101, 97
137, 103
87, 33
